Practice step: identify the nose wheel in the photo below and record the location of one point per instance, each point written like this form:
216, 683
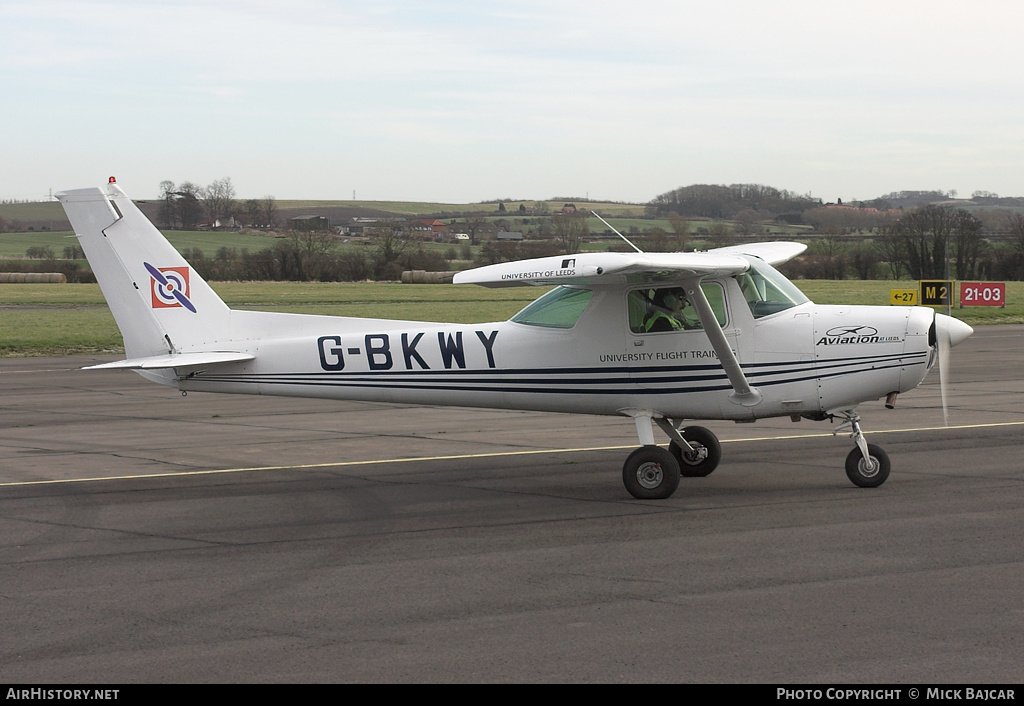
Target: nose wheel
870, 471
867, 465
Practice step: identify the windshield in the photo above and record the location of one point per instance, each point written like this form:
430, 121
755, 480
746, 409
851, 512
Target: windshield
767, 291
559, 308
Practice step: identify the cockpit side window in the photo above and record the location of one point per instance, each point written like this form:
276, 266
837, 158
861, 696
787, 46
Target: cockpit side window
562, 307
767, 291
659, 309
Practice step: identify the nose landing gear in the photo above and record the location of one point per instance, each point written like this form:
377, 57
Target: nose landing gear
867, 465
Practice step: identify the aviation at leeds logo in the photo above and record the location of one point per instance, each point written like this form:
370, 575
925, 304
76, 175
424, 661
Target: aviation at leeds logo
854, 334
169, 288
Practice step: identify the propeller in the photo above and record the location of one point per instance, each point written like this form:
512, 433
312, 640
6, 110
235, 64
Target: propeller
948, 333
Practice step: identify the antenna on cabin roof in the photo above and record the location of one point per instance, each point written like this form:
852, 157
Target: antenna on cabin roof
628, 242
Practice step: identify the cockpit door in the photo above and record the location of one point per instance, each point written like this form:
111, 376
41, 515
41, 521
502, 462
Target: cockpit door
672, 351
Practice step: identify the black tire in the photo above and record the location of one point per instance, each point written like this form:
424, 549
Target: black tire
651, 473
691, 465
858, 472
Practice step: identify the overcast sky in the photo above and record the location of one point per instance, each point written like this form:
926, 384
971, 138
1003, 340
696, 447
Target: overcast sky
467, 101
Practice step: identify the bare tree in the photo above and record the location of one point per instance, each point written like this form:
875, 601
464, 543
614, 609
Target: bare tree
473, 225
1015, 222
219, 201
312, 253
864, 259
890, 247
254, 211
967, 243
931, 235
570, 231
746, 220
924, 234
168, 212
828, 258
389, 243
680, 228
270, 211
187, 205
720, 234
655, 239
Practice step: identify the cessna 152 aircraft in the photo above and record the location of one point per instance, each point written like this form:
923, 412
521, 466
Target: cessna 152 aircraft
656, 337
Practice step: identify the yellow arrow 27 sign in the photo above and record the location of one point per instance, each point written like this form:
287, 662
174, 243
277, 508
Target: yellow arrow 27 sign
903, 297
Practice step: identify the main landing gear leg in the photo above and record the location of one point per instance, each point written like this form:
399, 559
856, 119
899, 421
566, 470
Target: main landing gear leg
867, 465
650, 472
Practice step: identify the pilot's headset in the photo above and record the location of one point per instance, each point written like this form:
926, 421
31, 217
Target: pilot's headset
672, 300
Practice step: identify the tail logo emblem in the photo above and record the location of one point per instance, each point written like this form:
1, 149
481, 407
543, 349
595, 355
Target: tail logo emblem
169, 287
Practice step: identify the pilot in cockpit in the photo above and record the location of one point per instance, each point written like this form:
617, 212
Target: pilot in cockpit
671, 310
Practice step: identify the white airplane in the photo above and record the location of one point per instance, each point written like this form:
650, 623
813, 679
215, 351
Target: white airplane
657, 337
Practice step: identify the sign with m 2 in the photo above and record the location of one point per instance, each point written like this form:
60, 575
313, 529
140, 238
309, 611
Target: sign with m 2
936, 292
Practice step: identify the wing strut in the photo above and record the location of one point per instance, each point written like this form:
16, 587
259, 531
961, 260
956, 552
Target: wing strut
743, 393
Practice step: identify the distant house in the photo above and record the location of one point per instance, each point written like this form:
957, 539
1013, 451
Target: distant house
509, 235
311, 223
437, 228
228, 223
357, 226
569, 208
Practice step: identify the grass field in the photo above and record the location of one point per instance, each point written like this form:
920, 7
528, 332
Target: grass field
14, 245
48, 319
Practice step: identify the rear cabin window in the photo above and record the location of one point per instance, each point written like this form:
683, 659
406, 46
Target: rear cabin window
562, 307
656, 310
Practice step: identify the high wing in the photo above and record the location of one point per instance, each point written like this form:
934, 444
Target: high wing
773, 253
612, 267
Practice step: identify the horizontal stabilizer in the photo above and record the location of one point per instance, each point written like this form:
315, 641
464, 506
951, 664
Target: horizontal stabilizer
175, 360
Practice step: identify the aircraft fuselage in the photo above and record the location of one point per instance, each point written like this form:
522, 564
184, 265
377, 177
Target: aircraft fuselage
805, 360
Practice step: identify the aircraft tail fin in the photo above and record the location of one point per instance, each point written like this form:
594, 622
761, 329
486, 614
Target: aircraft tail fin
161, 305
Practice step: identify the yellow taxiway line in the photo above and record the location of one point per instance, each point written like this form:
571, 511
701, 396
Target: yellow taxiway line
452, 457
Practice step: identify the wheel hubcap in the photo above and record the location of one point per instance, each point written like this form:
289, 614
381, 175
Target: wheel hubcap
649, 475
869, 467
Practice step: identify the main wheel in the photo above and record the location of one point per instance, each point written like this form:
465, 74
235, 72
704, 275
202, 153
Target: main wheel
858, 471
651, 473
704, 458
